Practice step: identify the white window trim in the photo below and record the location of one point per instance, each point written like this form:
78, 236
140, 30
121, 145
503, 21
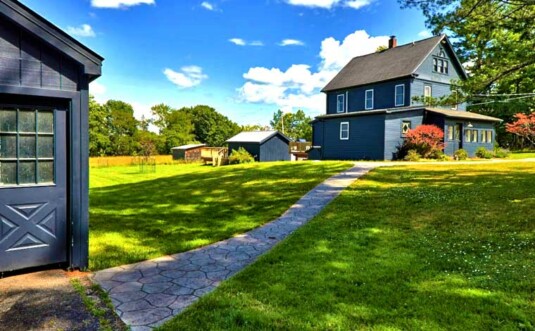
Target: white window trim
347, 100
366, 99
343, 103
396, 95
430, 90
342, 124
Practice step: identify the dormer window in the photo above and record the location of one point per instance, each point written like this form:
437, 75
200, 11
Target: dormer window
340, 103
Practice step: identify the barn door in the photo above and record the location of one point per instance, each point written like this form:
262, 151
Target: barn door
33, 194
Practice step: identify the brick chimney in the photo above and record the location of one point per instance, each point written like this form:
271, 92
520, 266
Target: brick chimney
393, 42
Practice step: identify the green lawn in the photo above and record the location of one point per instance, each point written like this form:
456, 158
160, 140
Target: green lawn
522, 155
136, 216
441, 247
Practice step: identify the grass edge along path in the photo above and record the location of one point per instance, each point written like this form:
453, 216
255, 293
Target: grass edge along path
138, 216
416, 247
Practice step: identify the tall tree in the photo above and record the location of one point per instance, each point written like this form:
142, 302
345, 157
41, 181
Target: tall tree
293, 125
123, 127
176, 127
211, 127
99, 134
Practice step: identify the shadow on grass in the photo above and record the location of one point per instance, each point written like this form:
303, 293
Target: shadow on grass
384, 255
132, 222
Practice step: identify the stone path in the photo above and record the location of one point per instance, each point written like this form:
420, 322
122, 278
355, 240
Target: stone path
147, 294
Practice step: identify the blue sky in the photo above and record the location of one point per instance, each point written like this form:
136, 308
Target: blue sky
246, 58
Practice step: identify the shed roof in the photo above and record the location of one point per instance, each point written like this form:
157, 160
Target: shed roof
397, 62
190, 146
255, 137
52, 35
448, 113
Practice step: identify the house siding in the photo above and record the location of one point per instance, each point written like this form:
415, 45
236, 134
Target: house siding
393, 137
438, 90
470, 147
27, 62
366, 138
317, 133
383, 95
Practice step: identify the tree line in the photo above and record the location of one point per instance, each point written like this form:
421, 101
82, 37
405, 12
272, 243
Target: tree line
114, 131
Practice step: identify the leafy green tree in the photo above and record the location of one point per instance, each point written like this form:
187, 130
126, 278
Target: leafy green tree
254, 127
176, 127
293, 125
123, 127
99, 135
211, 127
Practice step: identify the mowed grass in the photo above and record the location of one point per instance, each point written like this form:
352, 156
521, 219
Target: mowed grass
137, 216
426, 247
522, 155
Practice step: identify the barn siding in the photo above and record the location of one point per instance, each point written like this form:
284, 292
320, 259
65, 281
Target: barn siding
28, 62
384, 96
393, 138
252, 148
366, 138
274, 149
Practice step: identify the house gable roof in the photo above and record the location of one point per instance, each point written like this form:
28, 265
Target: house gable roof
255, 137
52, 35
397, 62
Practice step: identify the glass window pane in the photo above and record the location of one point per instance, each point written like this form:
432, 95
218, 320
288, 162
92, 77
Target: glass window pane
27, 147
45, 122
8, 173
474, 136
27, 172
489, 136
467, 135
8, 121
46, 171
26, 121
8, 146
45, 146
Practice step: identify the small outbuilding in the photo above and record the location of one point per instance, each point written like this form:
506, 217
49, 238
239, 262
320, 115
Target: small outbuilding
44, 108
264, 146
190, 152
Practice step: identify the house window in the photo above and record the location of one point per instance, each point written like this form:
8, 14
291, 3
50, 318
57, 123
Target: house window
467, 135
26, 147
442, 54
435, 65
445, 67
405, 127
474, 136
489, 136
427, 91
340, 103
369, 99
344, 131
400, 95
450, 132
483, 136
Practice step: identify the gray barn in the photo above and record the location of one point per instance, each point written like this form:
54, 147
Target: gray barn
44, 82
263, 145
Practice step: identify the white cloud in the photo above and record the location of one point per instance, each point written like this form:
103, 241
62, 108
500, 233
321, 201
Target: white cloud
84, 30
238, 41
357, 4
425, 34
328, 4
241, 42
188, 76
291, 42
298, 87
120, 3
98, 90
207, 5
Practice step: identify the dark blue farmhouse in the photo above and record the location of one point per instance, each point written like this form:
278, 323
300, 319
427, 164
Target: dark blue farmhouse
371, 103
44, 80
264, 146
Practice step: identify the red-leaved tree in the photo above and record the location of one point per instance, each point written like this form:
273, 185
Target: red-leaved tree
426, 139
524, 127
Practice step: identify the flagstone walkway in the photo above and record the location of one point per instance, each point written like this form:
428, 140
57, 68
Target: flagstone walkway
147, 294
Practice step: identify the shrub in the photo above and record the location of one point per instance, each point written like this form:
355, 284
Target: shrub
427, 140
240, 156
501, 153
412, 155
484, 153
460, 155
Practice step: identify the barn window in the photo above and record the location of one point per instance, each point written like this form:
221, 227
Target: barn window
344, 131
405, 127
400, 95
340, 103
26, 147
